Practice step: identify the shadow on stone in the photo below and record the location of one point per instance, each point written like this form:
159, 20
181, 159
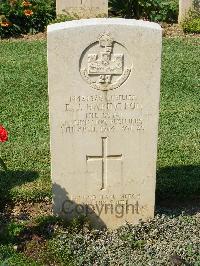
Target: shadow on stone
68, 209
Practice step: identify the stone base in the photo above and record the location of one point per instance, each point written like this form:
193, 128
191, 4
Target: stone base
83, 9
184, 7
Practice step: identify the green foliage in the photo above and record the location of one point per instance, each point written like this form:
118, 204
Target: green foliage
62, 18
154, 10
11, 231
14, 229
196, 4
22, 17
132, 240
2, 164
44, 225
9, 257
61, 249
192, 23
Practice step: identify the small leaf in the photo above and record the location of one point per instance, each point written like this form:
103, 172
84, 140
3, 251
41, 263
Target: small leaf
2, 164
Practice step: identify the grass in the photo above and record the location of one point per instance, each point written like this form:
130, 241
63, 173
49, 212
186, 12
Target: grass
179, 145
46, 240
24, 112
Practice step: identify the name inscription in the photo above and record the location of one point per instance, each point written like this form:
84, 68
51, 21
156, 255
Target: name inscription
100, 114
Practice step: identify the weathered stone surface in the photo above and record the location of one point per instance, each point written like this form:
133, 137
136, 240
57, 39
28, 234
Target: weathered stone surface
184, 7
104, 87
83, 8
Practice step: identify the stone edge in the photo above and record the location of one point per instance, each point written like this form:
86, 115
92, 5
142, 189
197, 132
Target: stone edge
103, 21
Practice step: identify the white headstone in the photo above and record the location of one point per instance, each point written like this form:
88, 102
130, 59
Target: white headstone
184, 7
83, 8
104, 87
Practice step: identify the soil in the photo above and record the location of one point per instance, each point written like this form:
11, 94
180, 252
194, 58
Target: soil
29, 210
175, 30
169, 30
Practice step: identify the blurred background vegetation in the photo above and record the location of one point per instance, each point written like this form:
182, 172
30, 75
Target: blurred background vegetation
32, 16
153, 10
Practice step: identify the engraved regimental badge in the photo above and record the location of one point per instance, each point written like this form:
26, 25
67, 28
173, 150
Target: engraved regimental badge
105, 64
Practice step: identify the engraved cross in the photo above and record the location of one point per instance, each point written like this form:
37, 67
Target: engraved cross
104, 158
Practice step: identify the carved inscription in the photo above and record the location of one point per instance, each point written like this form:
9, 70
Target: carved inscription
103, 69
97, 114
104, 198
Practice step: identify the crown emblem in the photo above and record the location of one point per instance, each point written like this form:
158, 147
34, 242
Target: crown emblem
105, 70
105, 40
